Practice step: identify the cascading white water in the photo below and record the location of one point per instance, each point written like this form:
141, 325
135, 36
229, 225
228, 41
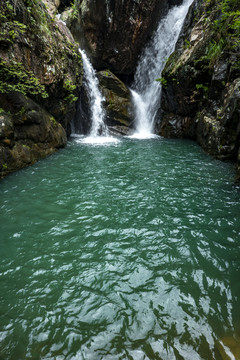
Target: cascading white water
147, 91
99, 133
96, 99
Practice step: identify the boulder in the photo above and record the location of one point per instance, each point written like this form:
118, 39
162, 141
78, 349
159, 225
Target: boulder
41, 61
117, 99
27, 134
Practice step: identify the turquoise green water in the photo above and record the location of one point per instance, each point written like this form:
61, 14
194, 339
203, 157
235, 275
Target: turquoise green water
124, 251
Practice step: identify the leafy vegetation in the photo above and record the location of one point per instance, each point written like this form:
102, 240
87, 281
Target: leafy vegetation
224, 19
163, 81
204, 88
231, 15
14, 77
214, 50
74, 6
10, 28
69, 87
30, 19
226, 25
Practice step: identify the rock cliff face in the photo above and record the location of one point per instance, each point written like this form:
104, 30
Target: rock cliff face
201, 99
40, 78
114, 31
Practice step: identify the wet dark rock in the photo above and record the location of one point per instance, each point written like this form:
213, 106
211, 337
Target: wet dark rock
117, 105
175, 126
117, 99
6, 128
119, 130
114, 32
201, 99
26, 136
238, 167
219, 78
81, 122
64, 4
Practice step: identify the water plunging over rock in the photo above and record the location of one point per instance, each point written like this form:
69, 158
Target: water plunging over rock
147, 91
95, 112
104, 104
95, 99
201, 99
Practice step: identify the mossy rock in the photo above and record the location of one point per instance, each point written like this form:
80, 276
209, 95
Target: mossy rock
27, 135
117, 99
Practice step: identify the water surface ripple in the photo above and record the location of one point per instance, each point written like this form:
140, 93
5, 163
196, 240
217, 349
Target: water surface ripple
124, 251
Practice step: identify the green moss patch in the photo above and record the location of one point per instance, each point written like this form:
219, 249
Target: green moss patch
14, 77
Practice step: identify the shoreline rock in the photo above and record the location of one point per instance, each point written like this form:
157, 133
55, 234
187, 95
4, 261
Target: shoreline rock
40, 80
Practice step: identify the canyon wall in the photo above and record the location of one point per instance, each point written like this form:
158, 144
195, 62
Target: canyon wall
40, 79
201, 81
114, 32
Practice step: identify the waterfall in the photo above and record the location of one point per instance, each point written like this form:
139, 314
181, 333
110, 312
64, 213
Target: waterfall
95, 97
146, 90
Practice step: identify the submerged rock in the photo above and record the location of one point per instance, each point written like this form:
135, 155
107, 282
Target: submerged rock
229, 348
